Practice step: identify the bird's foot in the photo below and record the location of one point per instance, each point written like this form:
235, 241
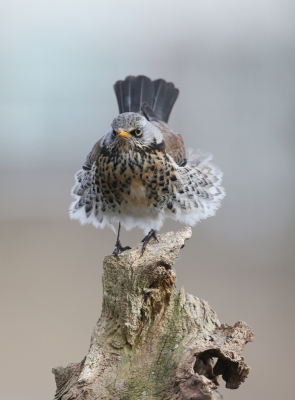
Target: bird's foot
145, 240
119, 248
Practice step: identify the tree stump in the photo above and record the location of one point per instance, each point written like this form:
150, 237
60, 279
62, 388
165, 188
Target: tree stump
151, 342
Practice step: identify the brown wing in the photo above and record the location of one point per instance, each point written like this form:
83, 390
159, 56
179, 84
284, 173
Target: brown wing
92, 156
174, 142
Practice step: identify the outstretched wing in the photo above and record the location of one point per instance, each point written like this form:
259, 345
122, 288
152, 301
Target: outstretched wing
85, 190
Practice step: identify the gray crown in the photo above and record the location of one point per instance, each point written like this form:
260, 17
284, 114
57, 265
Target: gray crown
127, 121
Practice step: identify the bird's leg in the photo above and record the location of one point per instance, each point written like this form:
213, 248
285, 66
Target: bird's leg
152, 233
118, 247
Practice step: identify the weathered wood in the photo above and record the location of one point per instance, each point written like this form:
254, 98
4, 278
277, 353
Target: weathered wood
152, 342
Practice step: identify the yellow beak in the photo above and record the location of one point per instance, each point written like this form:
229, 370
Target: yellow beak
123, 134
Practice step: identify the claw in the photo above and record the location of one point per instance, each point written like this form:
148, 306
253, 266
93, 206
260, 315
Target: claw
152, 233
118, 246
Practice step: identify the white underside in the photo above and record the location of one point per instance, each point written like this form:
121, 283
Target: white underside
146, 223
144, 219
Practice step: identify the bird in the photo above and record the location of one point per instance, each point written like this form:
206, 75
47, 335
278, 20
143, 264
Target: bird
139, 173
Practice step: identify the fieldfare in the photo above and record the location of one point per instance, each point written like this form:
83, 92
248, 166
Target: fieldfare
139, 173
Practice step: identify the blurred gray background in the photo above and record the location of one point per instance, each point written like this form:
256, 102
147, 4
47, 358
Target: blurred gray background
234, 63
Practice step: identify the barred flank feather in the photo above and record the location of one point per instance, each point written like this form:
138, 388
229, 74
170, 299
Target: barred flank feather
140, 94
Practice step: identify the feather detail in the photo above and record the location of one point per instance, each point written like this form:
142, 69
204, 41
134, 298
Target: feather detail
144, 188
134, 92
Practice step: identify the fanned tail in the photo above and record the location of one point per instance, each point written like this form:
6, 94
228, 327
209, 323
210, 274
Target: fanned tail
140, 94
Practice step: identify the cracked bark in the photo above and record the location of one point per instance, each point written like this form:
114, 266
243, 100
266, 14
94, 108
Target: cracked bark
152, 342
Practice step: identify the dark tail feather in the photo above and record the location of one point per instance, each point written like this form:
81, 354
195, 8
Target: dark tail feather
141, 95
148, 112
165, 97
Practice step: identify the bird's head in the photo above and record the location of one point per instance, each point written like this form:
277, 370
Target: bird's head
129, 128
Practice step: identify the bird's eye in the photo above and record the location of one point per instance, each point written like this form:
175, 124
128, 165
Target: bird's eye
138, 131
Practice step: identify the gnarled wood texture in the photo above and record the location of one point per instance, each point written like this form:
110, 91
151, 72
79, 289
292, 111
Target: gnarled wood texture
151, 342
